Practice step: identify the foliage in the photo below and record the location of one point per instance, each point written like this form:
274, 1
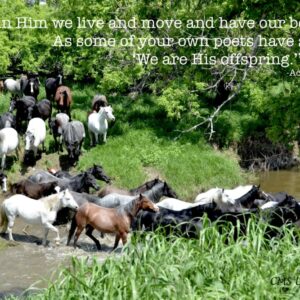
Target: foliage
214, 266
181, 90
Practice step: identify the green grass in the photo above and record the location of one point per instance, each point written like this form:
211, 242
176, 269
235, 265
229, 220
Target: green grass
212, 267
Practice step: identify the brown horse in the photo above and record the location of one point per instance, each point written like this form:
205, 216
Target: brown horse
32, 189
63, 99
110, 220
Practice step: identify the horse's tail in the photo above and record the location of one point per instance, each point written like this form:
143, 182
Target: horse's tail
72, 230
3, 218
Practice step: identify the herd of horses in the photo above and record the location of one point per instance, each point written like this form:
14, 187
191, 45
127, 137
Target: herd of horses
31, 116
51, 198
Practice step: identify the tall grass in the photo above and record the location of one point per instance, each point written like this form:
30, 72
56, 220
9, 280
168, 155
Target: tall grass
214, 266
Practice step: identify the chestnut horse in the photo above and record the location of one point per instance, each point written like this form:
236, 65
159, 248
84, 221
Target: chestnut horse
63, 99
110, 220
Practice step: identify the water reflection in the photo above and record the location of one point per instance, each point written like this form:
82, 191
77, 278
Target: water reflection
281, 181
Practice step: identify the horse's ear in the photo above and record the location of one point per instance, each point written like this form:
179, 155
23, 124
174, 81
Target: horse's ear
222, 190
140, 197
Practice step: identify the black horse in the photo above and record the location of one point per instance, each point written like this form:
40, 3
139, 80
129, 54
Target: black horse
96, 170
42, 109
185, 222
7, 120
30, 86
73, 135
24, 107
51, 86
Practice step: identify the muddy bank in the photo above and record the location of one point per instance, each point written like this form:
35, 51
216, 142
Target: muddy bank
260, 154
26, 263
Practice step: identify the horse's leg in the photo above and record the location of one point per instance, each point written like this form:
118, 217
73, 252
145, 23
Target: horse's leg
51, 227
116, 241
77, 234
11, 221
3, 161
91, 138
124, 238
104, 136
88, 232
44, 242
96, 139
43, 147
60, 140
71, 231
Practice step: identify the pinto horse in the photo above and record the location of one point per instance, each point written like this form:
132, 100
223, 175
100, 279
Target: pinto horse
98, 102
30, 86
63, 99
110, 220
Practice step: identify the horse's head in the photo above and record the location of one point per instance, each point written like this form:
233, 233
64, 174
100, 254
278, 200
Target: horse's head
99, 173
168, 191
73, 149
29, 140
67, 200
90, 181
108, 113
146, 204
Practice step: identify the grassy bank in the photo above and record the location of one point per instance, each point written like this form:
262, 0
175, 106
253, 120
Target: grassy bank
212, 267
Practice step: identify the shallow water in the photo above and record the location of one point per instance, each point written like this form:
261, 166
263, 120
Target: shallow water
281, 181
26, 263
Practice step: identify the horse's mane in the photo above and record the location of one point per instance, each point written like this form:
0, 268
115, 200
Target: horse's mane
127, 208
51, 201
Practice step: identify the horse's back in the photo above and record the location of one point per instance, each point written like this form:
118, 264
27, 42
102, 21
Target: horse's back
9, 140
25, 207
73, 131
207, 196
111, 189
175, 204
114, 200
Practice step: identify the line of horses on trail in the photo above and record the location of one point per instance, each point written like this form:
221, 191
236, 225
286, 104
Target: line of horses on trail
52, 198
31, 116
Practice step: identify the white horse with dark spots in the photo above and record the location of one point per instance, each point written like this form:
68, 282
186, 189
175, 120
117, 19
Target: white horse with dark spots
98, 123
35, 135
42, 212
9, 142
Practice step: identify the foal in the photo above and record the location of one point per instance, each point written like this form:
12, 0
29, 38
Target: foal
110, 220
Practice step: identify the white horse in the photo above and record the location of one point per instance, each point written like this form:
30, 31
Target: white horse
176, 204
209, 195
13, 86
32, 211
219, 196
35, 135
9, 141
97, 123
